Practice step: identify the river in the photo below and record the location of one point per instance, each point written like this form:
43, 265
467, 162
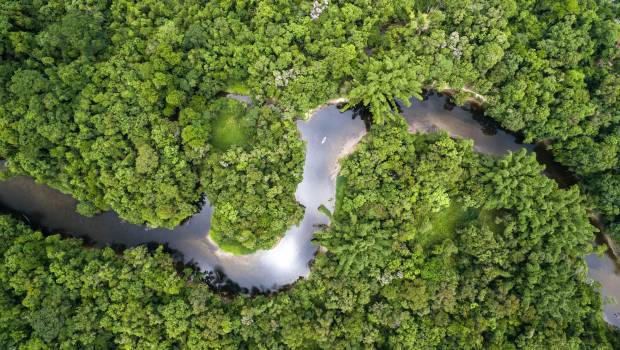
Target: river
329, 135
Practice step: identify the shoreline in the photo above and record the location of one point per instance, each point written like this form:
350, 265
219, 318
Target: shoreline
346, 151
613, 249
333, 101
476, 98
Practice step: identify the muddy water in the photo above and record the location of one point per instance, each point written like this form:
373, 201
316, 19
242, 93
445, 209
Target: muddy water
329, 135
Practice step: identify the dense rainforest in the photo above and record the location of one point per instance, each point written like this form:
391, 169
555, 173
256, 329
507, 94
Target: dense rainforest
495, 263
112, 101
121, 104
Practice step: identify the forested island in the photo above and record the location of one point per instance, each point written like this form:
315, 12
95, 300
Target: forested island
122, 104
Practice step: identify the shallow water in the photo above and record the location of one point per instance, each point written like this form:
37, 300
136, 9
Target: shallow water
329, 135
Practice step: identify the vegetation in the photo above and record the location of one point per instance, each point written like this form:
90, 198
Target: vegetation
516, 282
431, 246
440, 226
252, 184
96, 97
231, 127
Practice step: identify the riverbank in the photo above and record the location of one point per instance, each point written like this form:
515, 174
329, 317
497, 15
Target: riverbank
613, 250
554, 170
326, 134
477, 99
613, 247
333, 102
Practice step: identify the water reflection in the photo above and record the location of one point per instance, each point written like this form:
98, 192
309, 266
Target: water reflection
604, 270
436, 113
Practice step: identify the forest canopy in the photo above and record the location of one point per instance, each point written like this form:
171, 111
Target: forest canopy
397, 273
113, 101
251, 181
120, 104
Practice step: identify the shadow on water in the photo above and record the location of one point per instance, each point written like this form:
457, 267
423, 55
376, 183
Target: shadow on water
554, 170
362, 112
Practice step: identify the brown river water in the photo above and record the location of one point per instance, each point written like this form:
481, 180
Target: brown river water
329, 135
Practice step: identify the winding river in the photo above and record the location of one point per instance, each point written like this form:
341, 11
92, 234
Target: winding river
327, 134
330, 135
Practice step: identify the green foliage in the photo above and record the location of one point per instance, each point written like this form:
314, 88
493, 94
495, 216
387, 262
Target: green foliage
385, 80
237, 88
506, 272
341, 186
231, 127
146, 160
252, 184
442, 225
116, 102
233, 243
110, 100
86, 209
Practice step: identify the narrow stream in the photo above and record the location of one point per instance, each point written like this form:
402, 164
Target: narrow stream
329, 136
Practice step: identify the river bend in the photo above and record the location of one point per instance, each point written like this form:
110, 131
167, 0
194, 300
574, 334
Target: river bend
329, 135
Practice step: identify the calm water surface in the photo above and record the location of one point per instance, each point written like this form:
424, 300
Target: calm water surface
329, 136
